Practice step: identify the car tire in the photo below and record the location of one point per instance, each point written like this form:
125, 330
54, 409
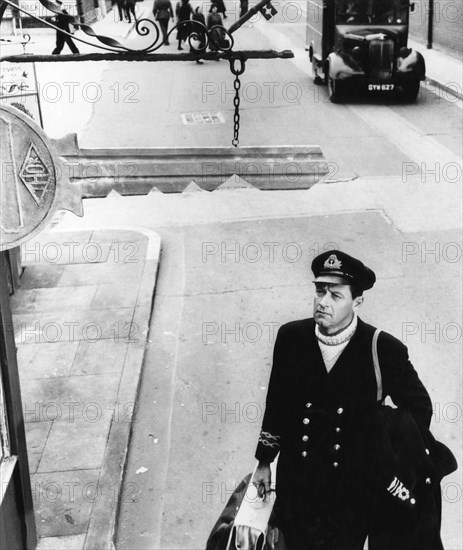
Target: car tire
335, 90
411, 90
316, 77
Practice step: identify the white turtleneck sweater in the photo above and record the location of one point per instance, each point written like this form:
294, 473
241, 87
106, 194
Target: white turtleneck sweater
331, 347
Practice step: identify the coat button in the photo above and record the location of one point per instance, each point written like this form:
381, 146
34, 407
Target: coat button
426, 451
308, 405
304, 454
305, 438
428, 481
337, 447
412, 501
306, 421
340, 410
338, 429
335, 464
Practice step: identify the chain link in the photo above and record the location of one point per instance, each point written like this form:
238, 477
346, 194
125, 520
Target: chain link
236, 100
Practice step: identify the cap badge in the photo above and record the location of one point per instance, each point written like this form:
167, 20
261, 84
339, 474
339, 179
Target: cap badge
332, 262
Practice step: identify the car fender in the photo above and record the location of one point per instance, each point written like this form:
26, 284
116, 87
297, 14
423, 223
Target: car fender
343, 66
411, 63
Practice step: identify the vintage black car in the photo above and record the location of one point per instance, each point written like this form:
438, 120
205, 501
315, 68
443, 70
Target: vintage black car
363, 42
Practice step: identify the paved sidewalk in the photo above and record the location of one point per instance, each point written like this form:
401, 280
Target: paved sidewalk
442, 70
81, 320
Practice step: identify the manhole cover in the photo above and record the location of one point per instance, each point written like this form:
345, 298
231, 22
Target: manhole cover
202, 118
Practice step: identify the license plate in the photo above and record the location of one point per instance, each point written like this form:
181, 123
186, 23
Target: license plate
380, 87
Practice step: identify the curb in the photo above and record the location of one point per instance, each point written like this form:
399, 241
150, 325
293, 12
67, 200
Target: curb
445, 87
103, 520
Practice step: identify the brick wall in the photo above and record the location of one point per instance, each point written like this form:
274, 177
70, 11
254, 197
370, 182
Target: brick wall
447, 24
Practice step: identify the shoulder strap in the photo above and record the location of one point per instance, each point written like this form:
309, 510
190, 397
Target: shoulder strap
379, 380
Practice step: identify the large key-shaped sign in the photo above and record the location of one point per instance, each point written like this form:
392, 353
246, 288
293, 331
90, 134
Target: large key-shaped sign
34, 184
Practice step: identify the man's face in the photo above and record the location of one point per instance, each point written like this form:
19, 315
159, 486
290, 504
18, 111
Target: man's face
333, 306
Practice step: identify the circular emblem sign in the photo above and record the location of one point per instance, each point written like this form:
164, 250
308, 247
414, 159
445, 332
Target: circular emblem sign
28, 186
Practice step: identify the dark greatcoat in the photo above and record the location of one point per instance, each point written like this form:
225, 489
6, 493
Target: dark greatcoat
216, 34
322, 425
183, 11
198, 29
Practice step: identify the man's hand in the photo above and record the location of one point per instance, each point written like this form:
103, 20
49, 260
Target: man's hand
262, 479
272, 537
246, 537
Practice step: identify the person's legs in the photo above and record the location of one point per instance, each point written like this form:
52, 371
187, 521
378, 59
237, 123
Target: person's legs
180, 35
59, 43
71, 44
163, 23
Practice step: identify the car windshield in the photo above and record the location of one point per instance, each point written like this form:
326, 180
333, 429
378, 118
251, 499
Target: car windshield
366, 12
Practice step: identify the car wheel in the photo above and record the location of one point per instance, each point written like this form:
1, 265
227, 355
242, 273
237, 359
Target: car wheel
316, 77
411, 90
334, 90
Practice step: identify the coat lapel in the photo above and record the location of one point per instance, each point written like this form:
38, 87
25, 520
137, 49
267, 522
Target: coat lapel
311, 350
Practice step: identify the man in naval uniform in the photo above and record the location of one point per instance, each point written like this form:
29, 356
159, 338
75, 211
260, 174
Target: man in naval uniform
321, 397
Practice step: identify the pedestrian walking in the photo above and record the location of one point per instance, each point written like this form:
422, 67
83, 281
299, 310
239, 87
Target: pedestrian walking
198, 27
162, 11
244, 7
216, 34
220, 7
62, 23
183, 11
321, 417
129, 9
120, 9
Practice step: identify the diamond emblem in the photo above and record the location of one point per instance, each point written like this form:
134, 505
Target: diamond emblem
35, 175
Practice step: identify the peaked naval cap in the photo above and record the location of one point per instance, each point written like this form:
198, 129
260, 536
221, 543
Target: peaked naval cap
335, 263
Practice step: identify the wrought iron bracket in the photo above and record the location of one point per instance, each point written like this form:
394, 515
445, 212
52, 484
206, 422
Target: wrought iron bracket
140, 56
199, 39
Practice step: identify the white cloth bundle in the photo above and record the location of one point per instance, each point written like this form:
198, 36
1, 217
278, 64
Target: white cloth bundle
251, 522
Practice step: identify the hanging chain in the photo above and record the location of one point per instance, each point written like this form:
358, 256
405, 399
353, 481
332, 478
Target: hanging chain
236, 99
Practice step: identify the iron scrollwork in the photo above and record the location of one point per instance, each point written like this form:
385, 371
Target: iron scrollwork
199, 39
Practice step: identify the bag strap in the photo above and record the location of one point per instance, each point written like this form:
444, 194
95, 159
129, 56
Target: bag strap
379, 380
